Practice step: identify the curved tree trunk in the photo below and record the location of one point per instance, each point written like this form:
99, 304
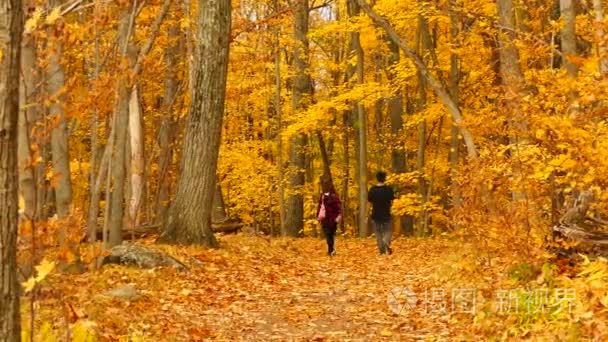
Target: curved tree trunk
11, 26
189, 219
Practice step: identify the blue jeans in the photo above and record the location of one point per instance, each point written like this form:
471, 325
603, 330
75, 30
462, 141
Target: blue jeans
384, 234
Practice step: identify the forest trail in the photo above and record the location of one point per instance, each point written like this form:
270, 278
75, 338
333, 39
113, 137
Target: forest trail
258, 289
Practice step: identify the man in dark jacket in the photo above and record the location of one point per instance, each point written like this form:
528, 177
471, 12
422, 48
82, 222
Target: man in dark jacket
381, 197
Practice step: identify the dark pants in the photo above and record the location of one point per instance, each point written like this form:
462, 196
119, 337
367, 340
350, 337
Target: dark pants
329, 229
384, 234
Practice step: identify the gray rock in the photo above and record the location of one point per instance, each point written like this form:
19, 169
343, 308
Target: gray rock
127, 292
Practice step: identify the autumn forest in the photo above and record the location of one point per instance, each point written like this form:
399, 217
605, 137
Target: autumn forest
181, 170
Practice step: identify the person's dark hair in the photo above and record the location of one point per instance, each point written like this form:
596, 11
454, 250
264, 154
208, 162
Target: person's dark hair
381, 176
327, 185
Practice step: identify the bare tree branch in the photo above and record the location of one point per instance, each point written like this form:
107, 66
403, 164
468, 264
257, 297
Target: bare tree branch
443, 95
153, 34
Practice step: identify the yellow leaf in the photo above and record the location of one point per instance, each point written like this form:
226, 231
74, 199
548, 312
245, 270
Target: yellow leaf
32, 22
29, 284
386, 333
53, 16
44, 269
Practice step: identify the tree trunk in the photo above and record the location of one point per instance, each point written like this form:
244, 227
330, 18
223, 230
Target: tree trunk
96, 189
513, 84
29, 108
294, 220
279, 113
346, 169
189, 219
117, 170
568, 35
137, 165
455, 142
94, 185
425, 45
59, 134
167, 123
395, 109
219, 208
360, 127
600, 36
11, 26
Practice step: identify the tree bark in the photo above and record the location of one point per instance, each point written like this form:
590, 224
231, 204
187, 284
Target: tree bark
189, 220
395, 108
11, 27
425, 45
455, 142
568, 35
59, 134
95, 189
167, 123
279, 113
513, 83
294, 220
137, 165
29, 109
117, 170
360, 125
600, 36
438, 88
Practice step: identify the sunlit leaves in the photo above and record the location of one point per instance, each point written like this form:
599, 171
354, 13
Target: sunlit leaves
42, 271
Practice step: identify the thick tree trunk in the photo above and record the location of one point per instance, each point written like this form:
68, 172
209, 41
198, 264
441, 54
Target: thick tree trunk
59, 134
294, 220
189, 219
11, 27
29, 108
568, 35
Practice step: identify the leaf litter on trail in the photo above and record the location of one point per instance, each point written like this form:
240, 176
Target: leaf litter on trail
253, 288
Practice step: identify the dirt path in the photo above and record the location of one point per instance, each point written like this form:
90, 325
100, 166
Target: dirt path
294, 291
257, 289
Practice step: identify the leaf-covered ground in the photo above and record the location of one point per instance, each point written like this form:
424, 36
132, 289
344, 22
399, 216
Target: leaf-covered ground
258, 289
